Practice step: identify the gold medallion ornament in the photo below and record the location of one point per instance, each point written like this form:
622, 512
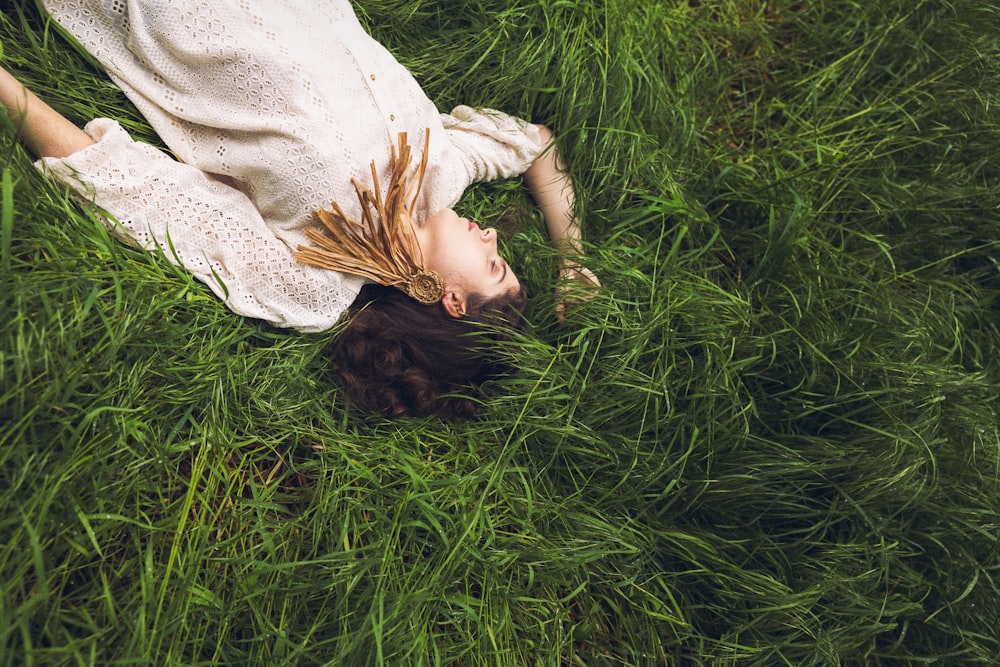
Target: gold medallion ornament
382, 245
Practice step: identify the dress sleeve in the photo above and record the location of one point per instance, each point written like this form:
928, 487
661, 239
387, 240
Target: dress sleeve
494, 144
203, 224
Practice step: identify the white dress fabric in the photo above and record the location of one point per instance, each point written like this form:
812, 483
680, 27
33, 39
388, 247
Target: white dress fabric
270, 109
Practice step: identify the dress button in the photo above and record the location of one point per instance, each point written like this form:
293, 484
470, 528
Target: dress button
373, 77
392, 116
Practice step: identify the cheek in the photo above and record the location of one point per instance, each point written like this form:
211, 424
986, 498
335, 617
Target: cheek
446, 261
458, 255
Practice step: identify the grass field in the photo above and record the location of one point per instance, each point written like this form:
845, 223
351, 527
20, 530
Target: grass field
772, 439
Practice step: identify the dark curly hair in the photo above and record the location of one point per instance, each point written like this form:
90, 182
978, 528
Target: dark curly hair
399, 357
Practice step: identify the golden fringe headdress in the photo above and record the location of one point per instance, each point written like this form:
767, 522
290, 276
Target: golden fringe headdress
382, 245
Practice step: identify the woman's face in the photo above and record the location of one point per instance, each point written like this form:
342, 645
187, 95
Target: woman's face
465, 256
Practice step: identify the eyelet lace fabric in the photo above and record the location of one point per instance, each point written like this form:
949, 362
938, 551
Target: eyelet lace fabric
269, 110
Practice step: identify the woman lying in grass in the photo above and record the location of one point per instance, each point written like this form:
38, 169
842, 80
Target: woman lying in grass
271, 112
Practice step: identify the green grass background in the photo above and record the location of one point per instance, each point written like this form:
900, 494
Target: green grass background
771, 440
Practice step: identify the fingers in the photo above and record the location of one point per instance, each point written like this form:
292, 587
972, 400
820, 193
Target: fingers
576, 285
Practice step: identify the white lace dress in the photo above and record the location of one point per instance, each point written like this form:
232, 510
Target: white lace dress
269, 110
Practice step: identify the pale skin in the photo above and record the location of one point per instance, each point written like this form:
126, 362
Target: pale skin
44, 131
463, 253
552, 189
466, 255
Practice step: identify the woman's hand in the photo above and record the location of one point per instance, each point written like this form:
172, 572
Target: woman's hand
576, 283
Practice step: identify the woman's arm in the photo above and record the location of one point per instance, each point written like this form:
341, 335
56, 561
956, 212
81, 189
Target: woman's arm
552, 189
43, 130
196, 221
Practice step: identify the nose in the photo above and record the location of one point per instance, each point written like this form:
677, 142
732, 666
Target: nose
488, 234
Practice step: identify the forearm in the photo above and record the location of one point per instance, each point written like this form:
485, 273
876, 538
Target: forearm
552, 189
42, 129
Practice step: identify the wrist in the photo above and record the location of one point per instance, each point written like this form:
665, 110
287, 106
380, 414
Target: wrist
570, 257
570, 249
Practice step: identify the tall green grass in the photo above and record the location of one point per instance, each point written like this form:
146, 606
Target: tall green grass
772, 439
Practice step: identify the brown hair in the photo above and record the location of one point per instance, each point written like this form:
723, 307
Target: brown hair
399, 357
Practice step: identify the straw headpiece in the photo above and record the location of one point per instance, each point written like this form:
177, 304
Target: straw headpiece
382, 245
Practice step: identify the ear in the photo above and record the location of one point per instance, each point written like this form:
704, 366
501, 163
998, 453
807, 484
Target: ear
454, 302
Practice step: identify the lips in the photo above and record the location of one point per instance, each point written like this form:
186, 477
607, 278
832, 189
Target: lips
472, 225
